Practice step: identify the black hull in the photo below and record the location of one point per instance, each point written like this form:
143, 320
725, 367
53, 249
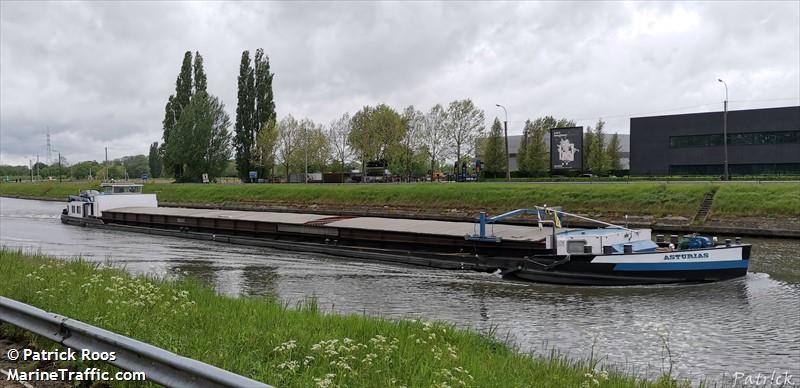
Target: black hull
580, 270
80, 221
629, 279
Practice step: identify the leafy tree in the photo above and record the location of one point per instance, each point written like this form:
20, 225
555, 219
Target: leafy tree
494, 154
589, 145
419, 165
338, 133
613, 153
376, 133
14, 171
311, 147
434, 135
244, 133
287, 142
414, 121
134, 165
266, 147
203, 142
597, 161
465, 123
85, 170
154, 160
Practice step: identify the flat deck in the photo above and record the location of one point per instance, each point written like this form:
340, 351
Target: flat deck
425, 227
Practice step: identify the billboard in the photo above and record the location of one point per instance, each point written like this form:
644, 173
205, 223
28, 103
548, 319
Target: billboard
566, 149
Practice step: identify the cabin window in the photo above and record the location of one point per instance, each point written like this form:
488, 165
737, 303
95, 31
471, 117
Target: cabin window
78, 209
575, 246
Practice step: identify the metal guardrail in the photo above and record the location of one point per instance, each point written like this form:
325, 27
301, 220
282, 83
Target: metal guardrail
160, 366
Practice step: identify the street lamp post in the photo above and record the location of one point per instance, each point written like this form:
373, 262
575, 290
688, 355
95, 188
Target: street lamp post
725, 129
505, 135
305, 153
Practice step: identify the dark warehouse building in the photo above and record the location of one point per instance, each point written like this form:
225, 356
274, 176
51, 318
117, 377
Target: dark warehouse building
760, 142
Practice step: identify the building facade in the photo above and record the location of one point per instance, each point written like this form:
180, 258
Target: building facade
760, 142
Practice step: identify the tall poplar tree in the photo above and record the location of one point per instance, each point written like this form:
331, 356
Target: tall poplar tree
255, 111
200, 83
172, 111
613, 153
154, 160
522, 150
264, 109
597, 161
244, 136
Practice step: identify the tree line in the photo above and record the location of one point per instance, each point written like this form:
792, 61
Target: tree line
196, 141
196, 136
133, 167
533, 155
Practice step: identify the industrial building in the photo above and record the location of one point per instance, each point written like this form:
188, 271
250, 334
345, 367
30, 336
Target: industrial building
760, 142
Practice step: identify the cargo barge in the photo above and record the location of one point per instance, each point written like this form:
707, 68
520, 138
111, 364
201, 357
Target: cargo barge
542, 252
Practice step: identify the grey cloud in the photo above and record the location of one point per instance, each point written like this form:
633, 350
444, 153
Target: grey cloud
98, 73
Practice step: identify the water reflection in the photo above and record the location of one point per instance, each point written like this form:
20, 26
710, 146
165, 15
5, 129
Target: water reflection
748, 325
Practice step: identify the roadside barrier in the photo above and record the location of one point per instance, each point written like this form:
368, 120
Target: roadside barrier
160, 366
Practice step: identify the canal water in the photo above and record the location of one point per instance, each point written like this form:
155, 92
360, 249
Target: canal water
713, 331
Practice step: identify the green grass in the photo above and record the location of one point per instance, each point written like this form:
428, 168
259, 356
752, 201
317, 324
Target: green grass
46, 190
773, 200
635, 198
287, 347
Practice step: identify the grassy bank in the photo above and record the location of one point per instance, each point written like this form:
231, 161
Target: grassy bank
637, 198
267, 341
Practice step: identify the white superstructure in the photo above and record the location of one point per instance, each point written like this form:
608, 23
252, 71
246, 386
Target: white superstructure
92, 203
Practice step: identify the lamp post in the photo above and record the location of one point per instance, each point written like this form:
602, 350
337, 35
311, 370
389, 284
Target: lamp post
725, 129
305, 152
505, 135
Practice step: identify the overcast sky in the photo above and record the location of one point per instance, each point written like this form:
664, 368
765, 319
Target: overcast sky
98, 74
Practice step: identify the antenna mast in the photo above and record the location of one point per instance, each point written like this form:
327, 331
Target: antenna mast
49, 148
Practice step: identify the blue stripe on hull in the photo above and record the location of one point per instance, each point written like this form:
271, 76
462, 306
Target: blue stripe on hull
729, 264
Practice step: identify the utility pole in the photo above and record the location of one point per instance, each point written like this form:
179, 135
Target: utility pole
106, 163
505, 135
37, 167
725, 129
59, 167
305, 151
30, 164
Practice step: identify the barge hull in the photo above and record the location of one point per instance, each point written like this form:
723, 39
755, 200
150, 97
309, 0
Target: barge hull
369, 232
522, 253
